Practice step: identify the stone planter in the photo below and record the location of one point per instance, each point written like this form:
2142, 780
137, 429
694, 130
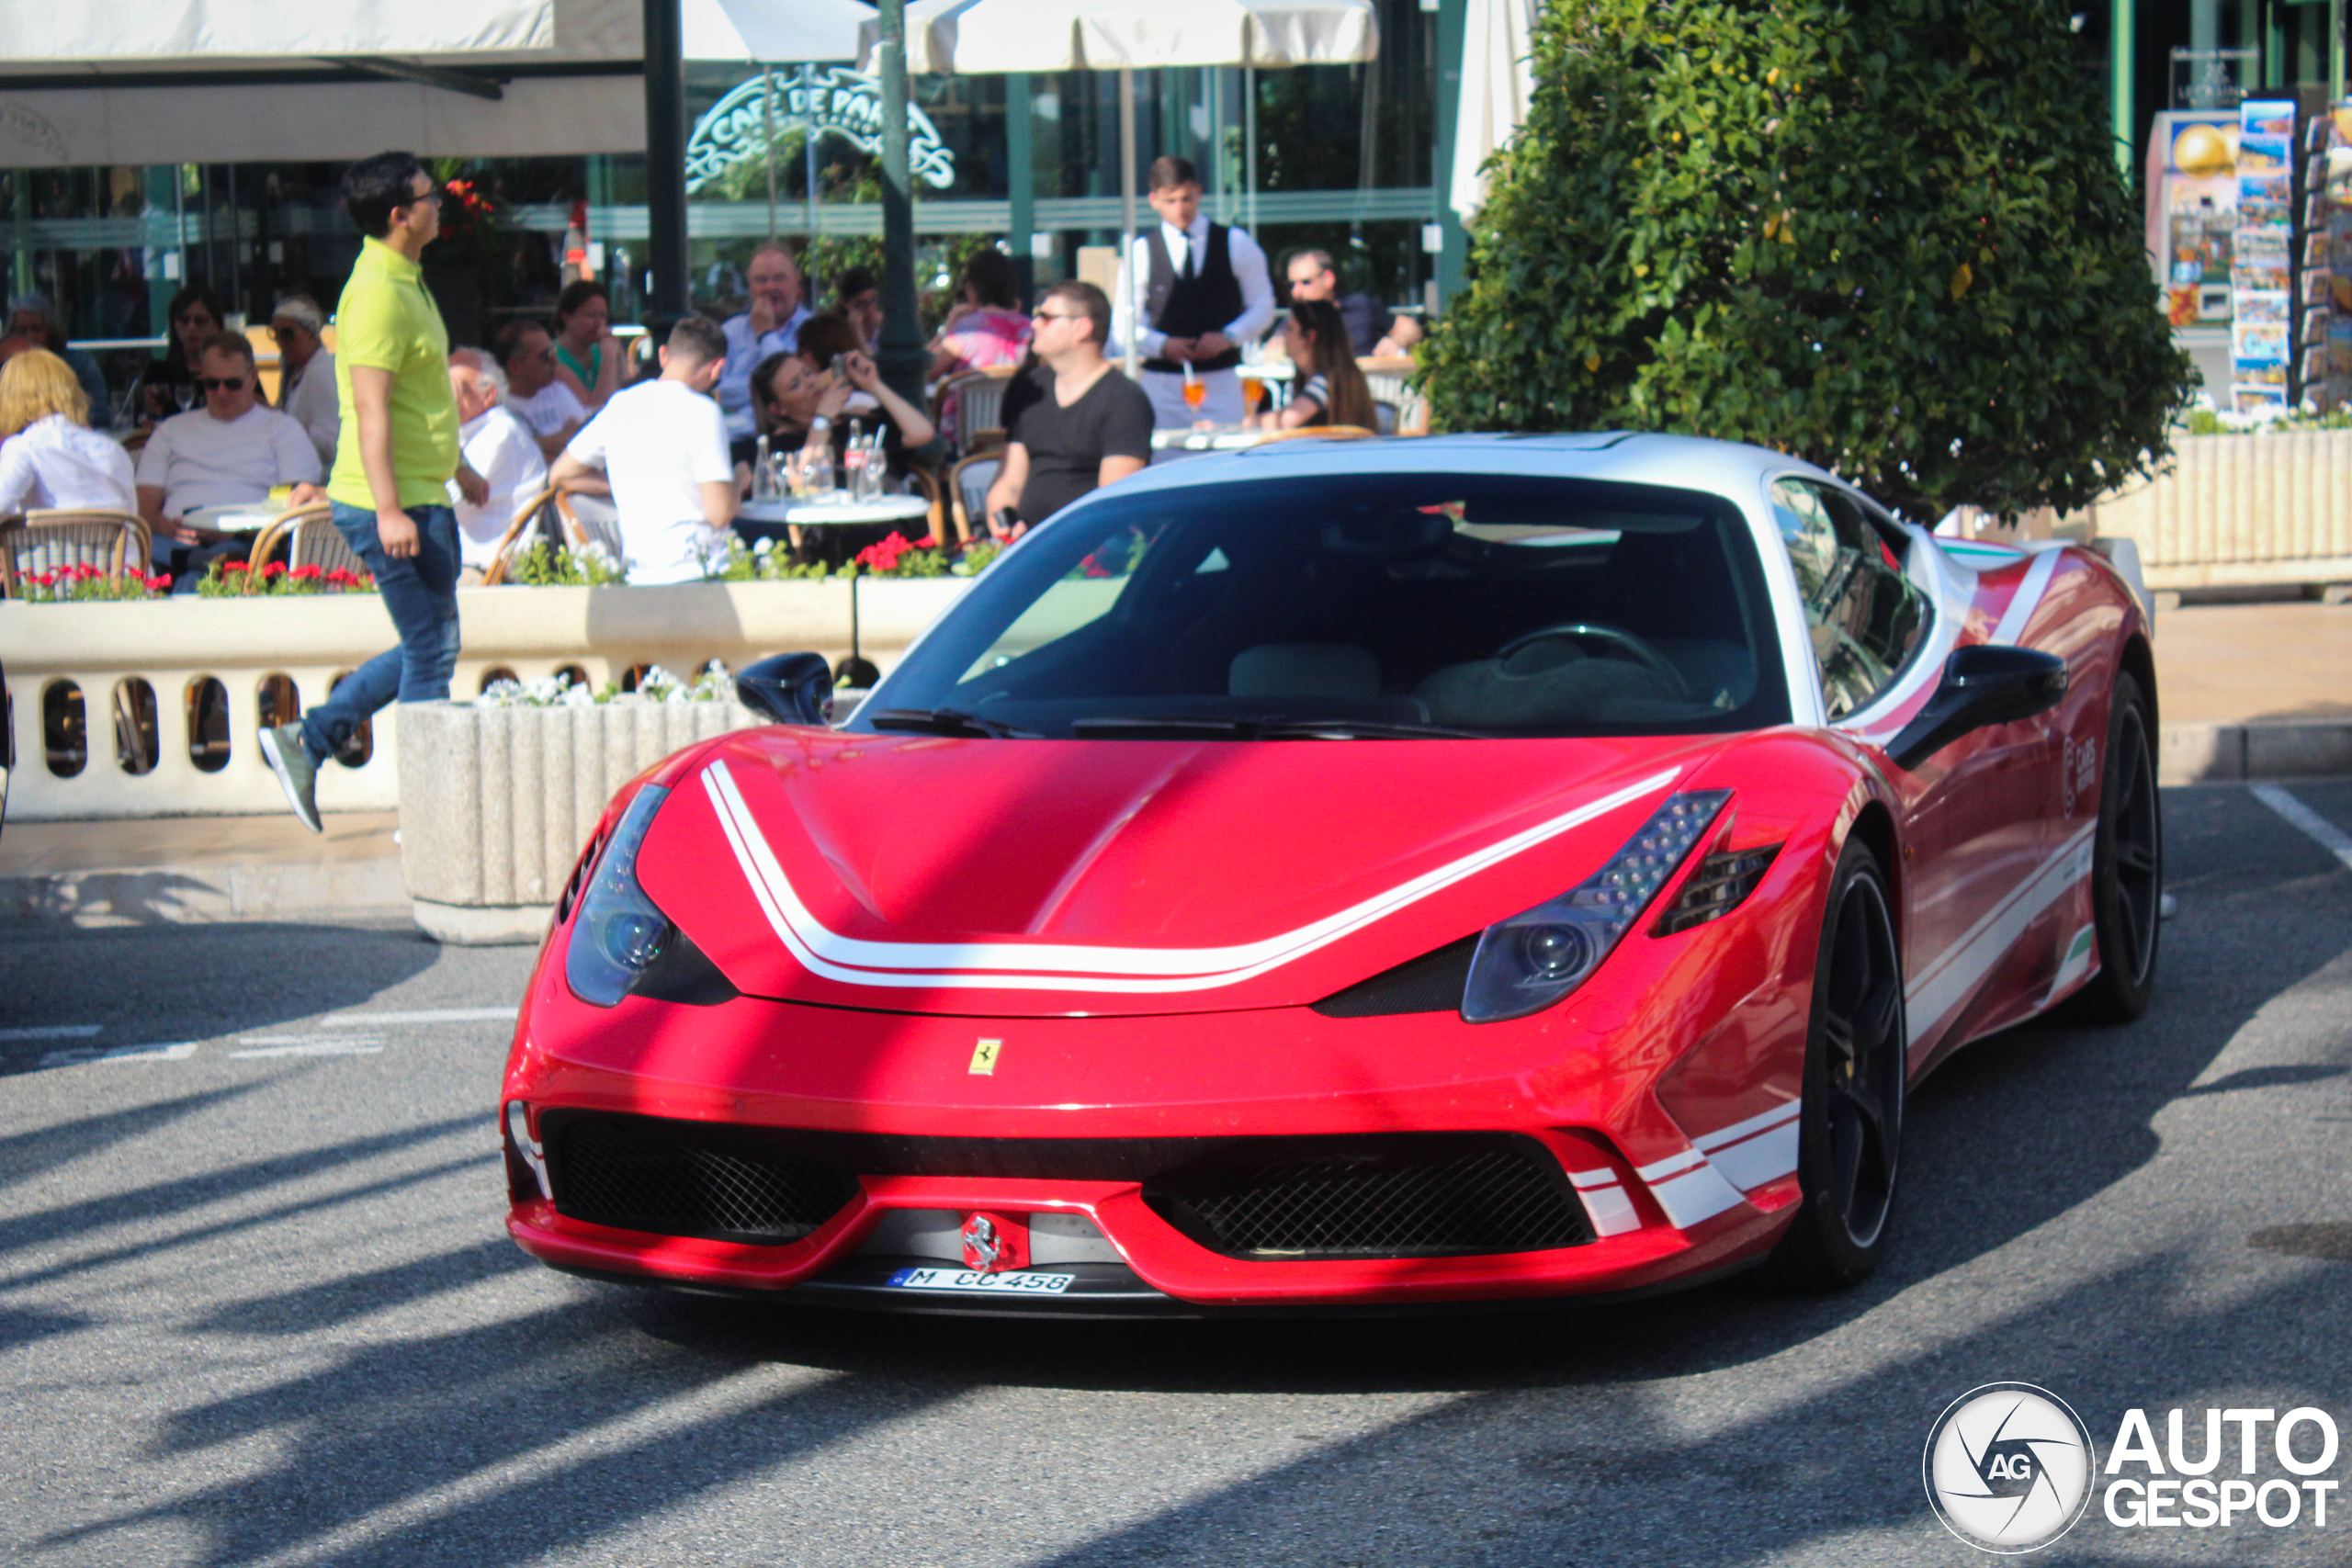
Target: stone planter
2242, 510
100, 655
496, 802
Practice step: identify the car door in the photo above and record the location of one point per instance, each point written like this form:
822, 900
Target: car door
1974, 831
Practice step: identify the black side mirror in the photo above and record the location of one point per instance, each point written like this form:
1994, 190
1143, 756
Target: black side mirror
1982, 685
790, 688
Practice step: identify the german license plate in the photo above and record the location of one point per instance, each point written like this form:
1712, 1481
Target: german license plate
973, 1280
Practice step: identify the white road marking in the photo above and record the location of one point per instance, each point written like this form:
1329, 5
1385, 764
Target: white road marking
74, 1055
2318, 829
52, 1031
268, 1046
423, 1015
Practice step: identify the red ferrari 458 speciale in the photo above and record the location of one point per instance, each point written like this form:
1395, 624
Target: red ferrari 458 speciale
1352, 874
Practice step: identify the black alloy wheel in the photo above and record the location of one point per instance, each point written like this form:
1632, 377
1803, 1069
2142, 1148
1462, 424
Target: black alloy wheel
1856, 1069
2127, 867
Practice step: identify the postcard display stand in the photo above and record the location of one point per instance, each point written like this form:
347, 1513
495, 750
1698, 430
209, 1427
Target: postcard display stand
2262, 257
2327, 293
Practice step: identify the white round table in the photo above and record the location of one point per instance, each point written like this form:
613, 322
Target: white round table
835, 513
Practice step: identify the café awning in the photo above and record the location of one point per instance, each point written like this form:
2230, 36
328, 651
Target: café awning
211, 82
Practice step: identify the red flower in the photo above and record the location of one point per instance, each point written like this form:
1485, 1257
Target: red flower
228, 566
274, 568
306, 573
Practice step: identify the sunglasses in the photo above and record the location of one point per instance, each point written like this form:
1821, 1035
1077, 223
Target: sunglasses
222, 383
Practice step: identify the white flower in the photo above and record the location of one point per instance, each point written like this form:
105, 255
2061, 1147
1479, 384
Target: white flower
579, 697
764, 547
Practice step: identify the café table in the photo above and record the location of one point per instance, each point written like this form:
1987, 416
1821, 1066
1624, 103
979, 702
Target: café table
839, 511
1174, 445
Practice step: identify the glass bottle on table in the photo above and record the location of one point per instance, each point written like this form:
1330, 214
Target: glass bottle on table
762, 477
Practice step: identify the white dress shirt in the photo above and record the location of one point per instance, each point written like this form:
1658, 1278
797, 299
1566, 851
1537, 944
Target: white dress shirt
501, 449
1248, 270
309, 403
745, 349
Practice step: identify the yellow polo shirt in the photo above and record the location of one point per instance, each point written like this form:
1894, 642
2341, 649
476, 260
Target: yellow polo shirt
387, 321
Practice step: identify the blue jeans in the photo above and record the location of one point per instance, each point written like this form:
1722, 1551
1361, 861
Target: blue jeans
421, 592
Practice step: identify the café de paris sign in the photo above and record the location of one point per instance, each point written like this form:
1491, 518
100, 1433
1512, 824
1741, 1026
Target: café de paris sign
843, 103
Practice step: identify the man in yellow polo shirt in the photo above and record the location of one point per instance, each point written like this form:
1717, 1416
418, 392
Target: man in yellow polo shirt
392, 467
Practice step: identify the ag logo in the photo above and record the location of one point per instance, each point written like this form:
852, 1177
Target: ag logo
2008, 1468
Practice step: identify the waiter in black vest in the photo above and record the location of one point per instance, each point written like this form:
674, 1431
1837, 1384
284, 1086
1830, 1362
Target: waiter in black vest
1206, 292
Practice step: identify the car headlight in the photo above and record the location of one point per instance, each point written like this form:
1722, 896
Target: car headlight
1525, 963
618, 931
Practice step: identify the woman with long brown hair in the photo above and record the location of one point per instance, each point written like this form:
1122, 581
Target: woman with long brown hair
1331, 389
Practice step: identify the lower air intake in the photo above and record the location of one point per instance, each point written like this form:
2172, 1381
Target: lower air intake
1433, 1195
640, 1173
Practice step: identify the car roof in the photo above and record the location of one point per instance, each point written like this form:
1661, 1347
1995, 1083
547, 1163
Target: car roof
1684, 462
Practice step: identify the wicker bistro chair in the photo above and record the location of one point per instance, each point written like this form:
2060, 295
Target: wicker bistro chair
1403, 412
589, 519
978, 397
310, 538
539, 508
44, 540
968, 487
1321, 432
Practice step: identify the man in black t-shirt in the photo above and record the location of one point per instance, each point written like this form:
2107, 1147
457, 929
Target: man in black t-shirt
1073, 423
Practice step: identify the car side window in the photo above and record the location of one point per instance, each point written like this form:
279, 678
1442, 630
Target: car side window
1864, 616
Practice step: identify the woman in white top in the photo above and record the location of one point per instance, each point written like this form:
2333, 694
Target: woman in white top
48, 456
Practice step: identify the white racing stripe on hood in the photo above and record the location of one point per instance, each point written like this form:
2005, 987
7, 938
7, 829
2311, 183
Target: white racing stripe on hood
1074, 967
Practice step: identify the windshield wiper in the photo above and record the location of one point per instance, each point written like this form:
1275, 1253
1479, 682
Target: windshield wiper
946, 721
1155, 728
1273, 728
1360, 729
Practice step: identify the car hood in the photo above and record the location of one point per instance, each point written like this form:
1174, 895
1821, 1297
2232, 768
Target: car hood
1042, 877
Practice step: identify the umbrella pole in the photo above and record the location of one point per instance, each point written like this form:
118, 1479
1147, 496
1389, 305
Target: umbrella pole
1127, 215
809, 156
767, 138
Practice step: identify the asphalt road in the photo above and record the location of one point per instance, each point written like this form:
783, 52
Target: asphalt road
256, 1307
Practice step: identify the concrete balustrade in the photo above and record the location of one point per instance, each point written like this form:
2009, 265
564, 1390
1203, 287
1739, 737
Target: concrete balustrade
250, 645
2241, 510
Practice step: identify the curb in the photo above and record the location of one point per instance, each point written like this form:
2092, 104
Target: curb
2265, 749
195, 894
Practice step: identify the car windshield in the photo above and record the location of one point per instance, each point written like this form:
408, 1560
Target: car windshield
1358, 606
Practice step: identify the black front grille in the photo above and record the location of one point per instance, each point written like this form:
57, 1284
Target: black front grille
1411, 1195
1386, 1195
640, 1173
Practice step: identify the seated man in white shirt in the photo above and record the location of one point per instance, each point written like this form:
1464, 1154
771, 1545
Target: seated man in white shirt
234, 450
663, 445
496, 445
551, 411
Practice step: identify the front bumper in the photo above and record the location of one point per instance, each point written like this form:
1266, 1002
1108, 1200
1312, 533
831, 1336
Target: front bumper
1582, 1081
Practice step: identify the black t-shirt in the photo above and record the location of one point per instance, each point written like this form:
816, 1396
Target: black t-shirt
1067, 445
1367, 320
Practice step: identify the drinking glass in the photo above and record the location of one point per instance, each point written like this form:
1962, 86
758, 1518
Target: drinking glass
184, 395
1196, 392
1253, 392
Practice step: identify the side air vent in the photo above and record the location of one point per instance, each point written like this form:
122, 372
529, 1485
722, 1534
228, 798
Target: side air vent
1431, 983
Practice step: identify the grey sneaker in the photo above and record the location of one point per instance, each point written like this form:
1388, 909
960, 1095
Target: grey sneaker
297, 770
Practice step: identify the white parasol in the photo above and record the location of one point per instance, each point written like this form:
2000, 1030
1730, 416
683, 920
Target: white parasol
1497, 82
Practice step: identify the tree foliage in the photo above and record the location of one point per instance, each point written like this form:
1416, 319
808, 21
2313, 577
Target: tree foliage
1888, 236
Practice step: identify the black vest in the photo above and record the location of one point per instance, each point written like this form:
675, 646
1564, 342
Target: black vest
1206, 300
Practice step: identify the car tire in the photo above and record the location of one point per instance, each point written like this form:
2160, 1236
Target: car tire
2127, 867
1850, 1133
